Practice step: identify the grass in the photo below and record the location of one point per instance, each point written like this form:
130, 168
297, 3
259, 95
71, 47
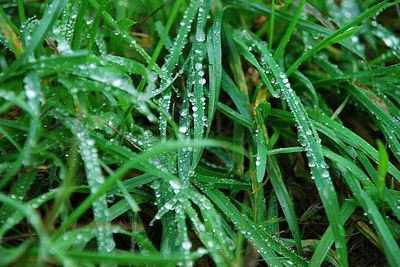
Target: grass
199, 133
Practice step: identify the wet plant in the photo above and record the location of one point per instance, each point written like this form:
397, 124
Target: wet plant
199, 133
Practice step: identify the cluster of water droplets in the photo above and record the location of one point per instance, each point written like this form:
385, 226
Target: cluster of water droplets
258, 235
390, 39
34, 96
132, 43
78, 237
260, 144
183, 238
95, 180
185, 154
307, 138
144, 139
211, 217
28, 27
197, 98
164, 105
68, 20
171, 60
206, 234
110, 81
32, 92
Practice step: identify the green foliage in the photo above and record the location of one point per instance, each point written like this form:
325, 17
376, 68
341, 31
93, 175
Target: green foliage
199, 133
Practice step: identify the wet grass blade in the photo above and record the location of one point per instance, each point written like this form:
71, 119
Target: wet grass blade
95, 180
308, 138
214, 52
285, 39
263, 241
54, 10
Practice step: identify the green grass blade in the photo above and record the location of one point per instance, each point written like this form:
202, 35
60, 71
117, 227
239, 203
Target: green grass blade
327, 239
285, 39
337, 35
308, 138
54, 10
95, 180
263, 241
388, 243
214, 52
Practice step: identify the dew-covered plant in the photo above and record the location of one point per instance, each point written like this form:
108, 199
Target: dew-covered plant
199, 133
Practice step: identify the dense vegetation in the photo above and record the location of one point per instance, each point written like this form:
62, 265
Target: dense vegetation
199, 132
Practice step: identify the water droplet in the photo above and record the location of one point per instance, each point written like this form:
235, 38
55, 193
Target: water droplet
183, 129
168, 205
175, 184
198, 66
117, 83
186, 245
200, 36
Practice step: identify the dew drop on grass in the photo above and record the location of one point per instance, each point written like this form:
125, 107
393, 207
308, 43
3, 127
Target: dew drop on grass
30, 93
183, 129
175, 184
323, 165
110, 199
117, 83
187, 245
200, 35
198, 66
325, 173
168, 205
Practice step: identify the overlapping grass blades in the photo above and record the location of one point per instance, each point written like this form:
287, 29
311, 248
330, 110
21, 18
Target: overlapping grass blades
308, 138
53, 11
266, 244
227, 177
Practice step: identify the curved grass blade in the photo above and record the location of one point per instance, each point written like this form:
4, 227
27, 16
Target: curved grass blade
351, 138
234, 115
339, 34
17, 216
327, 239
33, 219
135, 163
285, 201
214, 52
204, 235
285, 39
33, 95
178, 46
304, 25
53, 12
390, 247
18, 191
